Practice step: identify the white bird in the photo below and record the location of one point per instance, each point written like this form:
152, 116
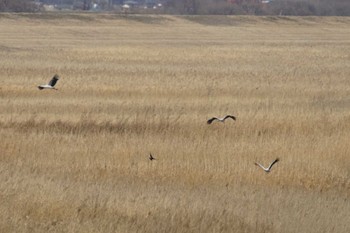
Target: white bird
220, 119
268, 169
51, 84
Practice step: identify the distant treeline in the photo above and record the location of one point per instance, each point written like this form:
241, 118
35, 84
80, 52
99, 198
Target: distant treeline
275, 7
202, 7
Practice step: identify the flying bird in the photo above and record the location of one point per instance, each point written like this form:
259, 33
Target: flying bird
51, 84
151, 157
221, 119
268, 169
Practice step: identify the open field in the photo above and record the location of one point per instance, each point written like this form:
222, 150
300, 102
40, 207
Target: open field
76, 159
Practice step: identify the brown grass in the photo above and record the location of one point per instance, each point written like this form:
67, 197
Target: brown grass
75, 160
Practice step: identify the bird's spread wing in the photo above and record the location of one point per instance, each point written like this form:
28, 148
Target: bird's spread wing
258, 164
151, 157
276, 160
54, 80
211, 120
230, 116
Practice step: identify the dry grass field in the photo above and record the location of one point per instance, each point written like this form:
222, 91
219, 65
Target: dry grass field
76, 159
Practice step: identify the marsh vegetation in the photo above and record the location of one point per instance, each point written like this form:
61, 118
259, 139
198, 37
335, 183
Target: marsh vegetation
76, 159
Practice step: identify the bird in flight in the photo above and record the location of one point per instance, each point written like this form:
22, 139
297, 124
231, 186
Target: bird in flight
268, 169
221, 119
51, 84
151, 157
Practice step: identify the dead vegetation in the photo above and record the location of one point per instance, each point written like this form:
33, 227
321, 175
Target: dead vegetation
76, 160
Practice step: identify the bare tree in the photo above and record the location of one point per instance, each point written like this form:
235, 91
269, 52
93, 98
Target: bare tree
18, 6
87, 5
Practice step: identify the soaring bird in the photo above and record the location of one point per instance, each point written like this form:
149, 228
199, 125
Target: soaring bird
151, 157
51, 84
221, 119
269, 168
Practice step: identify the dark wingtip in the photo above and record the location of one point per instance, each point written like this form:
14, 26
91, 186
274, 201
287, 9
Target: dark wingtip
210, 121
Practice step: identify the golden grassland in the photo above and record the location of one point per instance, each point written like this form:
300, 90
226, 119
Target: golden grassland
76, 159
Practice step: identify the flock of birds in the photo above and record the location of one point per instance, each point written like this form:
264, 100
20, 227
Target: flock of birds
55, 78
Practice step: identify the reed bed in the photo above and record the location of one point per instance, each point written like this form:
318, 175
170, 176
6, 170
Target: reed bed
76, 159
